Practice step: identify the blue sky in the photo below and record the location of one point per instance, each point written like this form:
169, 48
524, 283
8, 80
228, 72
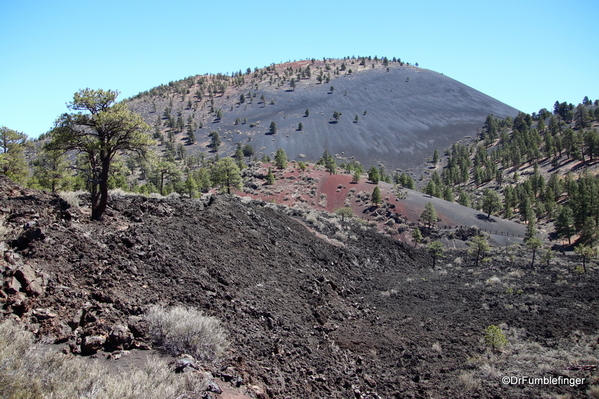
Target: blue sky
527, 54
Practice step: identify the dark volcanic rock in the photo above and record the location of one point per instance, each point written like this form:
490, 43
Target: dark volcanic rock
306, 316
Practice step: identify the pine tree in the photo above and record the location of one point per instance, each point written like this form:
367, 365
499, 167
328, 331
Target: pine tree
586, 252
373, 175
270, 177
479, 246
191, 186
376, 196
436, 157
356, 176
50, 168
104, 128
534, 243
416, 236
12, 157
564, 223
281, 159
345, 212
491, 202
435, 249
429, 214
215, 141
495, 338
226, 174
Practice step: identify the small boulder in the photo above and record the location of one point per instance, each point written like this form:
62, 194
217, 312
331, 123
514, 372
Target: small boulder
120, 336
43, 314
12, 285
138, 326
185, 363
29, 280
92, 343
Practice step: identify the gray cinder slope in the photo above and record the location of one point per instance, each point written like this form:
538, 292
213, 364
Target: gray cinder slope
410, 112
404, 114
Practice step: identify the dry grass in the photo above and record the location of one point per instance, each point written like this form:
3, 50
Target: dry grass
526, 358
71, 197
469, 381
30, 371
182, 330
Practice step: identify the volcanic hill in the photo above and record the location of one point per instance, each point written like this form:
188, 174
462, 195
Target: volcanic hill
387, 112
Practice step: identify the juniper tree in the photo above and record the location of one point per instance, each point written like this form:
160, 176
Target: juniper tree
478, 247
102, 130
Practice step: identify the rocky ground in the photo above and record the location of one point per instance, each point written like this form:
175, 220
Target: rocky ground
339, 313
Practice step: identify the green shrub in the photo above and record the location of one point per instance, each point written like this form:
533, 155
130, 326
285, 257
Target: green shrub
495, 338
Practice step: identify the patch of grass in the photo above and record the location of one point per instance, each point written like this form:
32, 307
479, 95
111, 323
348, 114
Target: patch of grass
469, 381
493, 280
522, 357
71, 197
32, 371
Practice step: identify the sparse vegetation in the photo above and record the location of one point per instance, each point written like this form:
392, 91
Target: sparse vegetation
29, 370
494, 338
180, 330
345, 212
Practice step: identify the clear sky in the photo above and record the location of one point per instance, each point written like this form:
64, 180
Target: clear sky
526, 53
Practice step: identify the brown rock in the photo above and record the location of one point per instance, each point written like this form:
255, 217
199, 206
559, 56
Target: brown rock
43, 314
25, 274
92, 343
12, 285
35, 288
138, 326
75, 321
120, 335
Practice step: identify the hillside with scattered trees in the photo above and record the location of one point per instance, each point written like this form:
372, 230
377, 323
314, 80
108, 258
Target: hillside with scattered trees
377, 111
539, 169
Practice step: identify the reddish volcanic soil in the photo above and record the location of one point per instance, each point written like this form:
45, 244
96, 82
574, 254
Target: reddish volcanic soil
316, 188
